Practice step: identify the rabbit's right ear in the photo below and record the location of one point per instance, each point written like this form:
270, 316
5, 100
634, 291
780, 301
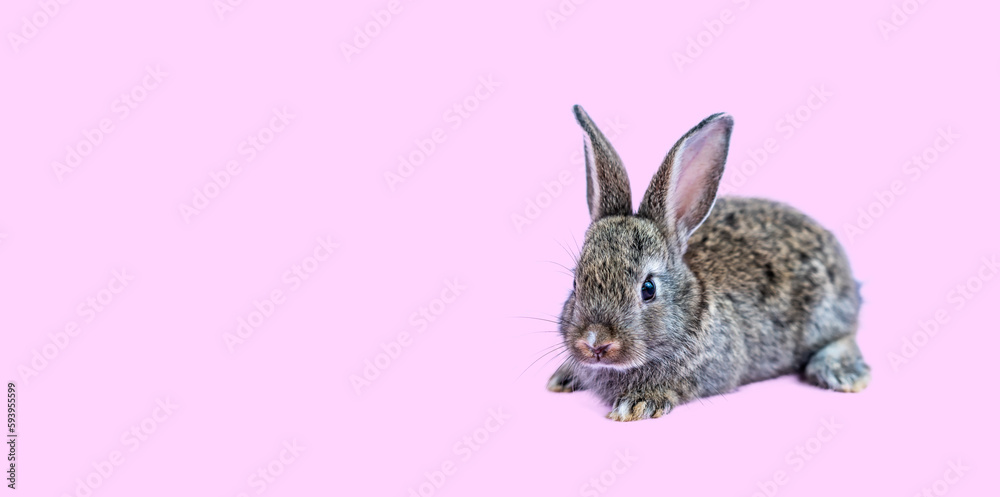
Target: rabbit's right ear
608, 190
683, 190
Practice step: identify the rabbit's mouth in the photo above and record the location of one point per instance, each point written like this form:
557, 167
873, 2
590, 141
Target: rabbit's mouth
595, 349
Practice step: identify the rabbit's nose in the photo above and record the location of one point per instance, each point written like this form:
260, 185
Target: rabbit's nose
597, 350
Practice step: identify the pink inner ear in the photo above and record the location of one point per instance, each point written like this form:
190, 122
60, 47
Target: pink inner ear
699, 155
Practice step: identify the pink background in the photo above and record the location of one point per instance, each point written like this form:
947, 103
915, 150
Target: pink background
162, 337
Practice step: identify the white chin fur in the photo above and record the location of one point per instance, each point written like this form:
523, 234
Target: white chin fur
605, 365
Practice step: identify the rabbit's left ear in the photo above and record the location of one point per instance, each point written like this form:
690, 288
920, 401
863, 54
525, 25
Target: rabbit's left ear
683, 190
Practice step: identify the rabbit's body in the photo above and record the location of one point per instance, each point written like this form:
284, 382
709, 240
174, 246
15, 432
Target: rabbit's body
754, 290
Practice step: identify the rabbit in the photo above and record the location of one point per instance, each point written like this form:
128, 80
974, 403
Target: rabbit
693, 295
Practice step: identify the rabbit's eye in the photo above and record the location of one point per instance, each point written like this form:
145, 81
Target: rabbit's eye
648, 290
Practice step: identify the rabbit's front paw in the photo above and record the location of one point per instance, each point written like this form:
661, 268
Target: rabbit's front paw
641, 406
564, 380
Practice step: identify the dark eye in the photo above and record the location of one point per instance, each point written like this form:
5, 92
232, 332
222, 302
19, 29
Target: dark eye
648, 291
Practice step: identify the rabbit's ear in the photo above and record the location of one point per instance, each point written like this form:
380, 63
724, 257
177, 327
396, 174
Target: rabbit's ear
683, 190
608, 191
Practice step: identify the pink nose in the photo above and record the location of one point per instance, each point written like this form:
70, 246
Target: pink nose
600, 350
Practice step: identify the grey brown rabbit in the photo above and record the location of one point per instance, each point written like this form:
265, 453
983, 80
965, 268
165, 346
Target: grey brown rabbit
693, 296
